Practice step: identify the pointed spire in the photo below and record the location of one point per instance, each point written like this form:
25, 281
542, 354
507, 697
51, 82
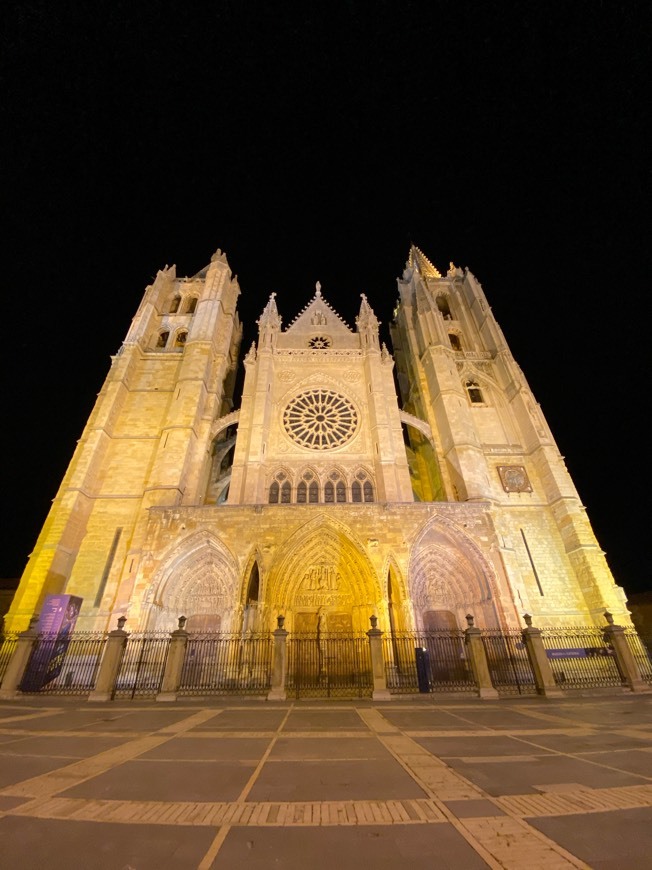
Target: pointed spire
367, 322
418, 261
269, 322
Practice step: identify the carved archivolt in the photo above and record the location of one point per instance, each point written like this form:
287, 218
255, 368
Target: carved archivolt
199, 575
322, 566
448, 570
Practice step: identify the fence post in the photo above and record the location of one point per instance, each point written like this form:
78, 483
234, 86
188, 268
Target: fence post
380, 692
625, 661
543, 675
279, 662
19, 661
174, 663
110, 664
478, 657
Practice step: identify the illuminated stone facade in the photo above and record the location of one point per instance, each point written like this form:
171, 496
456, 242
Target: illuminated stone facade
329, 494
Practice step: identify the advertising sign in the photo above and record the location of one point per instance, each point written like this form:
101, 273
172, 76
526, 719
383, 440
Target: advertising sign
55, 626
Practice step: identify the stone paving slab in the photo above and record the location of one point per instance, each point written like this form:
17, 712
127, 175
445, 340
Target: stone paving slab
327, 748
630, 760
459, 747
53, 746
324, 720
222, 748
424, 782
243, 720
325, 848
606, 841
334, 780
519, 777
168, 780
62, 845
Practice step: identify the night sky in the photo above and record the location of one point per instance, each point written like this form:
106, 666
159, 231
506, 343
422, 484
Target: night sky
316, 142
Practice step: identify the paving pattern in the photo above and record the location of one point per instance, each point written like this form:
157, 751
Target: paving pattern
412, 783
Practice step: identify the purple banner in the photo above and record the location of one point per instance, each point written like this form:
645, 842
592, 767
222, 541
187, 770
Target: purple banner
56, 623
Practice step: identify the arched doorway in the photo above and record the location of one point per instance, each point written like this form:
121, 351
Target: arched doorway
198, 581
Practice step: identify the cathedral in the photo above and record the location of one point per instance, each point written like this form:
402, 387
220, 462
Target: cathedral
417, 484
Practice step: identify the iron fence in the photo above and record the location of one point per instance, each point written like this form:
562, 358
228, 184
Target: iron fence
640, 653
432, 661
580, 658
509, 663
227, 664
62, 664
329, 665
142, 665
7, 649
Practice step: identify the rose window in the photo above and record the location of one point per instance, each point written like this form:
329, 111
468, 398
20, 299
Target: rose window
320, 419
319, 342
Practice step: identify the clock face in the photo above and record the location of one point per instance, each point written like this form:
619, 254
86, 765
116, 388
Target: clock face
514, 478
320, 419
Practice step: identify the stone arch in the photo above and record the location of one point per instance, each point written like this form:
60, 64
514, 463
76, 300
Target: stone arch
399, 607
323, 569
449, 573
251, 593
198, 579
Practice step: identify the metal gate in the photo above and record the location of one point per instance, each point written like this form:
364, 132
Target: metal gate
227, 664
580, 658
445, 665
509, 663
329, 666
142, 666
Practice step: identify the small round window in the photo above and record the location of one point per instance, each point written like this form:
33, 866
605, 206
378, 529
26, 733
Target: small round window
319, 342
320, 419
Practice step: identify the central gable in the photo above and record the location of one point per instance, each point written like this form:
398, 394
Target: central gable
318, 326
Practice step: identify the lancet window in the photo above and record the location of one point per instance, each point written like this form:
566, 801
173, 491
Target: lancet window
362, 489
280, 490
475, 393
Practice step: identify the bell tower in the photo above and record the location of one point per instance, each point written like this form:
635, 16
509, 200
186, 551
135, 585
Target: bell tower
145, 443
456, 372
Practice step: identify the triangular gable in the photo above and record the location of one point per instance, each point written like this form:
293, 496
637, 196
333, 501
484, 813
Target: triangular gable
318, 314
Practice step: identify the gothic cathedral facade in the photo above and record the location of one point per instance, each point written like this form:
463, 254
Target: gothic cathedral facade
418, 485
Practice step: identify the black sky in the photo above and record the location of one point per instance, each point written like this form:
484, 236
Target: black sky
315, 142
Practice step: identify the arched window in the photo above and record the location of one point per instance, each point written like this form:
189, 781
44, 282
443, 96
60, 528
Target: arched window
163, 338
174, 305
475, 393
181, 338
340, 491
362, 489
192, 305
454, 339
329, 492
313, 492
280, 490
443, 306
302, 492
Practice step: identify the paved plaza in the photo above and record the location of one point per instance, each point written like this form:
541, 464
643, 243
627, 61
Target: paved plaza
417, 783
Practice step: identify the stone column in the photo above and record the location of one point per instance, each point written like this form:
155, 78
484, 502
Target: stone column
174, 663
279, 663
478, 658
625, 661
380, 691
543, 676
19, 661
110, 664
